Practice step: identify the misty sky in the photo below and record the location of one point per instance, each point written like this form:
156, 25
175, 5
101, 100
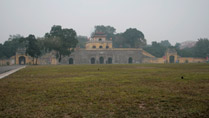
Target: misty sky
173, 20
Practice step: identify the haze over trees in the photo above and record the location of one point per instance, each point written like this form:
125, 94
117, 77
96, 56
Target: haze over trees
82, 41
64, 40
165, 43
108, 30
10, 46
201, 49
131, 38
156, 49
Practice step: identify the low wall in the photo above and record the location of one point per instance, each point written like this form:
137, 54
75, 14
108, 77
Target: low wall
6, 62
191, 60
153, 60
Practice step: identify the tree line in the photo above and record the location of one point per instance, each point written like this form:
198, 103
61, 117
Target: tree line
61, 40
64, 41
133, 38
200, 49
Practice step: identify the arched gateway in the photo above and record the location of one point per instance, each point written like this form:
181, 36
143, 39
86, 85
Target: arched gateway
21, 60
109, 61
171, 59
101, 60
92, 60
71, 61
130, 60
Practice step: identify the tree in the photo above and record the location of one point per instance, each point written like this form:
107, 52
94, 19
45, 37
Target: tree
177, 46
82, 41
134, 38
202, 47
165, 43
186, 52
2, 51
63, 41
156, 49
119, 41
14, 42
33, 48
108, 30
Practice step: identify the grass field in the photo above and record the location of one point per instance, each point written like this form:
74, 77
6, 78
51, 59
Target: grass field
143, 90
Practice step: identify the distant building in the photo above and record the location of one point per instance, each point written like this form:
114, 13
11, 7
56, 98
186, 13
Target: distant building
99, 50
171, 56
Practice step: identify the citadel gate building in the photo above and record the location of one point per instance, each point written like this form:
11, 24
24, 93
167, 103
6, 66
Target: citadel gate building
99, 50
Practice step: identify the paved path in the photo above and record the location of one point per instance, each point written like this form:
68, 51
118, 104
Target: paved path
7, 70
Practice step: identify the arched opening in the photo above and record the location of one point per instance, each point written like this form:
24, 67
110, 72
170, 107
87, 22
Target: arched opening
109, 61
186, 61
94, 46
100, 47
92, 60
171, 59
107, 47
22, 60
130, 60
101, 60
71, 61
100, 39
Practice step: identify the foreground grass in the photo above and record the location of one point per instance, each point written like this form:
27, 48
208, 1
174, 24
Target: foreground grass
148, 90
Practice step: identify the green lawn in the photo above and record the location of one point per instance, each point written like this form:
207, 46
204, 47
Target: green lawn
142, 90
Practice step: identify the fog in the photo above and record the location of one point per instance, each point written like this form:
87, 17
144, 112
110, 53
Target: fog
173, 20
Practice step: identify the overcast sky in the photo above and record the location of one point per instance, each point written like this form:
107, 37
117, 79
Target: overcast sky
173, 20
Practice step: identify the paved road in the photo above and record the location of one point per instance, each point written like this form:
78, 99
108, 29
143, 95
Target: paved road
4, 69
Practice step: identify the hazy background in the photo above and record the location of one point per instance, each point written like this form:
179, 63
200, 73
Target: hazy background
173, 20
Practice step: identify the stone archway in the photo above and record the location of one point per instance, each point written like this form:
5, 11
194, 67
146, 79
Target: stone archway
92, 60
100, 46
21, 60
109, 61
171, 59
130, 60
71, 61
101, 60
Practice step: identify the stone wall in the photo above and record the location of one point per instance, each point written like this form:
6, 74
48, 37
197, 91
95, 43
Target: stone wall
4, 62
108, 56
154, 60
118, 56
191, 60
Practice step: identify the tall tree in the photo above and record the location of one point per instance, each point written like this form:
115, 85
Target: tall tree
186, 52
63, 41
165, 43
14, 42
119, 41
202, 47
134, 38
177, 46
33, 48
156, 49
82, 41
108, 30
2, 51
